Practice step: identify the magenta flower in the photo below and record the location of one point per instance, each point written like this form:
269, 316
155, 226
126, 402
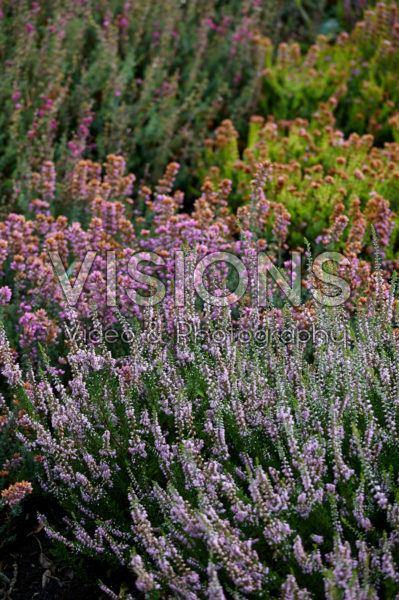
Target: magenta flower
211, 23
5, 295
35, 8
29, 28
124, 23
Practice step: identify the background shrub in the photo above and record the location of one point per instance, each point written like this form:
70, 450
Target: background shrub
146, 79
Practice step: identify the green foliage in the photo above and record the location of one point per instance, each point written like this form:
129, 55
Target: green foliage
85, 79
316, 174
359, 70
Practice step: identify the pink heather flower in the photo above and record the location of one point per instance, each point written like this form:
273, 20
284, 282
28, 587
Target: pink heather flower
15, 493
318, 539
15, 96
238, 77
124, 23
107, 19
31, 134
17, 106
211, 24
54, 124
5, 295
29, 28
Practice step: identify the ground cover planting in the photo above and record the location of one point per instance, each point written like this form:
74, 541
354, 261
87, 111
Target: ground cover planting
199, 314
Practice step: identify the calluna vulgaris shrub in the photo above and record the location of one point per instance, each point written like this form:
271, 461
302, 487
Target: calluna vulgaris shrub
331, 186
241, 466
14, 463
86, 79
359, 70
213, 469
82, 79
346, 202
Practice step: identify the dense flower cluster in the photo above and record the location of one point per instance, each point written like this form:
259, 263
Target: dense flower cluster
148, 80
16, 492
264, 471
280, 205
359, 70
333, 187
244, 447
84, 79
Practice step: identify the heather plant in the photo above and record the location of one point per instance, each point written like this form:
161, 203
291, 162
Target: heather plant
148, 80
358, 69
212, 468
14, 464
85, 79
240, 448
41, 252
330, 188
